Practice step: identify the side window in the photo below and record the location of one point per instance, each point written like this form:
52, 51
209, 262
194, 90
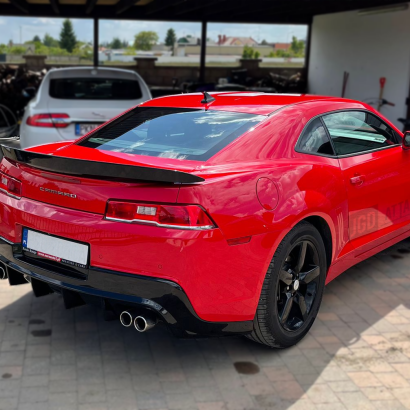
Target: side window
314, 139
358, 131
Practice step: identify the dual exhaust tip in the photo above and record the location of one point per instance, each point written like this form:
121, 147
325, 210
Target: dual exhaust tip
141, 323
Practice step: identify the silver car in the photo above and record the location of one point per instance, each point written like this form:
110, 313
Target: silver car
73, 101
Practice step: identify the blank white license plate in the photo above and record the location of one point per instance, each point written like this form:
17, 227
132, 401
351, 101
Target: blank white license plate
55, 249
82, 129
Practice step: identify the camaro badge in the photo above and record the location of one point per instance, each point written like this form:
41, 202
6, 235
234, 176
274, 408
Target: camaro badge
53, 191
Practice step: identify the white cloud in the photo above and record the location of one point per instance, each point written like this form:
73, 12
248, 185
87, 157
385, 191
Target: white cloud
45, 20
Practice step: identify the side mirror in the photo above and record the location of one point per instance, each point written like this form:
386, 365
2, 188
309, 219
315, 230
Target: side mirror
406, 140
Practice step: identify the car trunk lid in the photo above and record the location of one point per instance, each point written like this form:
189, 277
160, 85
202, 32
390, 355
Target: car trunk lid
88, 184
91, 97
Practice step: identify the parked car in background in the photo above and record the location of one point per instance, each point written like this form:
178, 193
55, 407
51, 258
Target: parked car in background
73, 101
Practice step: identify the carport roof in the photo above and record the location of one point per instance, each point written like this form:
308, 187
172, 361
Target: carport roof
245, 11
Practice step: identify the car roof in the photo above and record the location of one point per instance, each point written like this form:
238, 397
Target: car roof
243, 101
89, 68
78, 72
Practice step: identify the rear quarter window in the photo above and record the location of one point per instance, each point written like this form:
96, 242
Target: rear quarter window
172, 132
95, 89
354, 132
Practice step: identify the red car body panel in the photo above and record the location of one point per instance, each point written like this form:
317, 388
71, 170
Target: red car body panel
258, 186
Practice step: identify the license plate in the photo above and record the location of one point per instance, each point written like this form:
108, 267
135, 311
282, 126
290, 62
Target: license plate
55, 249
82, 129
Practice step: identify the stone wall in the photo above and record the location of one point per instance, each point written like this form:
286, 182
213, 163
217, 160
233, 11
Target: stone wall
162, 75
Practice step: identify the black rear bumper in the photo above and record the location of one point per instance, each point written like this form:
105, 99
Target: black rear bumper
117, 291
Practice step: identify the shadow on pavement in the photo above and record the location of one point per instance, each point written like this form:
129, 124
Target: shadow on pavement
356, 355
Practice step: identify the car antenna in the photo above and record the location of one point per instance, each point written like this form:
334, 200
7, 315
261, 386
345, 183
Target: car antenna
207, 98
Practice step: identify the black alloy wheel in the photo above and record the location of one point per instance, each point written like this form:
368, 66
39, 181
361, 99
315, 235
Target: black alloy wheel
298, 285
292, 289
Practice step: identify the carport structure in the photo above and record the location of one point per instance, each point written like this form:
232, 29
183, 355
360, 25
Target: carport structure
226, 11
259, 11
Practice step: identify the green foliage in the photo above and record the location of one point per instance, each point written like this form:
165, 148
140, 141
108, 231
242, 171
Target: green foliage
49, 41
280, 53
170, 38
297, 47
264, 42
57, 51
51, 47
130, 51
86, 52
116, 43
144, 40
40, 48
17, 50
249, 53
68, 39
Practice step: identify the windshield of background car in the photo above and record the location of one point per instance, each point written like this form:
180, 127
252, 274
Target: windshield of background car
177, 133
95, 89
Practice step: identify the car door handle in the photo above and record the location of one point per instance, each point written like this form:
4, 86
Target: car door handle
357, 180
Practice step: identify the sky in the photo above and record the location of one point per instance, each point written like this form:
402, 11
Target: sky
25, 28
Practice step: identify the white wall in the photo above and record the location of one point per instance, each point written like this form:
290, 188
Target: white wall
368, 47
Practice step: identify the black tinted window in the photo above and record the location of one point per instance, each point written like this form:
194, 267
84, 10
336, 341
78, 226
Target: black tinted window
358, 131
315, 139
172, 132
94, 89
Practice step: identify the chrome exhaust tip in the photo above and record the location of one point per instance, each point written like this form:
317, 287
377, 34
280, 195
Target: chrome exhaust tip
3, 274
144, 323
126, 318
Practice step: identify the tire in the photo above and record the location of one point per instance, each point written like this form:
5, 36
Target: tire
271, 325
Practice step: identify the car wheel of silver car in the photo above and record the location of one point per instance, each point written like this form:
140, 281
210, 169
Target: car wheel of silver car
292, 290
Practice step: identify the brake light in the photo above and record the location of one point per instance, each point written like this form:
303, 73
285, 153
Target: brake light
10, 186
48, 120
169, 216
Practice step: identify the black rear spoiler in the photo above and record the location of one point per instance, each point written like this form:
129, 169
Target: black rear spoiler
95, 169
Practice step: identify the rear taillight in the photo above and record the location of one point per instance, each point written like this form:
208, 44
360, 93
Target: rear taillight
10, 186
169, 216
48, 120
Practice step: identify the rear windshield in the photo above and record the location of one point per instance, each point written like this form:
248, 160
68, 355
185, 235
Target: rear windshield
95, 89
172, 132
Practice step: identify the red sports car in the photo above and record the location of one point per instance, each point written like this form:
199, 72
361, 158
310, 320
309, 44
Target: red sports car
216, 214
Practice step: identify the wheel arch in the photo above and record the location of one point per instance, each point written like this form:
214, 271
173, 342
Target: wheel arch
324, 230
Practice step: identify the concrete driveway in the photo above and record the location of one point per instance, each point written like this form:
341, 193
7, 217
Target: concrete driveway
355, 357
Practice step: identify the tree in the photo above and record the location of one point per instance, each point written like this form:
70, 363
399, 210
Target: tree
170, 38
125, 44
68, 39
49, 41
297, 47
36, 38
116, 43
144, 40
264, 43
